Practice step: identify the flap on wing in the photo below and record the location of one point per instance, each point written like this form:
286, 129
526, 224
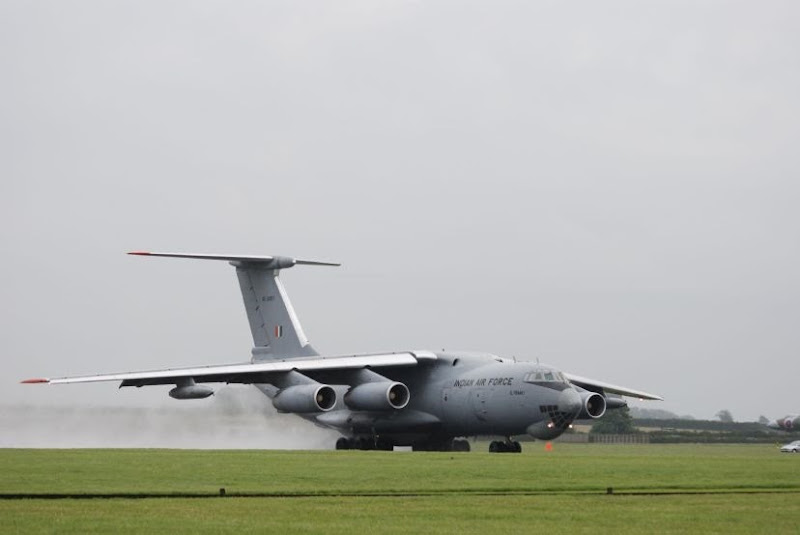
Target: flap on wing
248, 372
591, 384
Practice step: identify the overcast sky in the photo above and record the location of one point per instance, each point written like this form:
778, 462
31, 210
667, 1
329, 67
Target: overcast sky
611, 187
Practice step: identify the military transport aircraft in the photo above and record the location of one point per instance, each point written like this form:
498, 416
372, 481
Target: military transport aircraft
787, 423
428, 400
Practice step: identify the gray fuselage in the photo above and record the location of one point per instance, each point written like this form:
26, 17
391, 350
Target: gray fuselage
460, 394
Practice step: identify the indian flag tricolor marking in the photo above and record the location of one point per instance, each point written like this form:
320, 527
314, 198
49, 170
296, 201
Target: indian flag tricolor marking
278, 331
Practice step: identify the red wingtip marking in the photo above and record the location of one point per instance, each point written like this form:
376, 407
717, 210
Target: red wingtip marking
34, 381
139, 253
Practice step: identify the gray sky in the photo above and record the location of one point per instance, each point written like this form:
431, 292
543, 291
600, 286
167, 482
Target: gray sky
611, 187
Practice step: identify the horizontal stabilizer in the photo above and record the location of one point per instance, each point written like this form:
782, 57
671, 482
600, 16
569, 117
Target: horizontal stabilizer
277, 262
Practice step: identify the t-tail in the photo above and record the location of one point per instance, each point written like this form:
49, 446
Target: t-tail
277, 333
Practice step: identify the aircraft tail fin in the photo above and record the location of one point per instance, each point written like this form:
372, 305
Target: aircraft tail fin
276, 331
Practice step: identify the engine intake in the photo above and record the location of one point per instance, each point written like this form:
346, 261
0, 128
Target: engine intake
378, 396
593, 405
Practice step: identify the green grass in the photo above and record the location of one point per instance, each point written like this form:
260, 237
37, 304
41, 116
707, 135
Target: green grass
708, 488
440, 514
568, 468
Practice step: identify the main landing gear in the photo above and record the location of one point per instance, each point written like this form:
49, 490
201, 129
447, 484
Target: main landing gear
372, 443
509, 446
363, 443
460, 444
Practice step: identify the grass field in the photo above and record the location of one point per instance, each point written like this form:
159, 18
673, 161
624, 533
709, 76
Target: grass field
664, 488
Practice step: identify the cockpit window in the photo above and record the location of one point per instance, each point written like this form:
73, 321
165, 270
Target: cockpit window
544, 376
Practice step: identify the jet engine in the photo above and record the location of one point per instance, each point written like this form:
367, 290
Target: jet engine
593, 405
378, 396
191, 391
305, 398
615, 402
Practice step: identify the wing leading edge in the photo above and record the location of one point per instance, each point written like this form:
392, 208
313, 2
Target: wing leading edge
248, 372
597, 386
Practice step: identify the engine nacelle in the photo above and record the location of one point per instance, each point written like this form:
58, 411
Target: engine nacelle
615, 402
305, 398
593, 405
191, 392
378, 396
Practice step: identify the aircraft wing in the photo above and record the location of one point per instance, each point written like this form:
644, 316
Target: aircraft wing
596, 386
256, 372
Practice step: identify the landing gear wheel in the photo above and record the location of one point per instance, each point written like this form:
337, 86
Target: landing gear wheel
364, 443
460, 445
434, 445
498, 446
344, 443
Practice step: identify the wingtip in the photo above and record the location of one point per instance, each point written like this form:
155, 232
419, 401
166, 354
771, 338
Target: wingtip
650, 397
139, 253
36, 380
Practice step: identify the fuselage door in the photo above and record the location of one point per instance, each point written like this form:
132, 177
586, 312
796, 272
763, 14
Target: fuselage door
446, 396
479, 398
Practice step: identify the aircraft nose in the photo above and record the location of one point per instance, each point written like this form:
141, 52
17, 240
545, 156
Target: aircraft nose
569, 401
